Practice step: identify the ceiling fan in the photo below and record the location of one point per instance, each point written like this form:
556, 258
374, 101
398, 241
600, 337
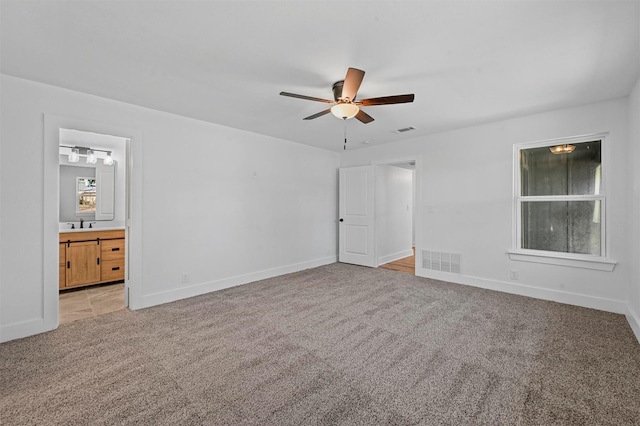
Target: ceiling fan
345, 104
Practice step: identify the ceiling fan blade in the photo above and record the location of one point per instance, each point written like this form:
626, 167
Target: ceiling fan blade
352, 83
319, 114
364, 117
308, 98
386, 100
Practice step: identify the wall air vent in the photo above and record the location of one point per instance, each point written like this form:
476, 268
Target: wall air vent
404, 130
445, 262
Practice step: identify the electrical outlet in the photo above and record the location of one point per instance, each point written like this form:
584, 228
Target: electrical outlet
514, 274
185, 278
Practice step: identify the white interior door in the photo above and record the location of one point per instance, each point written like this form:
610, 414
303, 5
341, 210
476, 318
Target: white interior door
357, 216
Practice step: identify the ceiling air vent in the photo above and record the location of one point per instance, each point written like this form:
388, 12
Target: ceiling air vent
404, 129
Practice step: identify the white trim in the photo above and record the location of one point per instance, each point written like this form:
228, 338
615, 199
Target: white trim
397, 160
634, 321
208, 287
24, 329
595, 263
394, 256
608, 305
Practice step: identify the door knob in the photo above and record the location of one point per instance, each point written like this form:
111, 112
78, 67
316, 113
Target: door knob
341, 220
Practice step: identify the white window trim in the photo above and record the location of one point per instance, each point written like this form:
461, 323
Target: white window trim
575, 260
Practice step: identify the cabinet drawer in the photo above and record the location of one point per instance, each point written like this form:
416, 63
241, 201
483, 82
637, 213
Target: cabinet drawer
112, 270
112, 249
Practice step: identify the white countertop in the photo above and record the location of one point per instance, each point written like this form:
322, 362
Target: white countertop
64, 227
105, 228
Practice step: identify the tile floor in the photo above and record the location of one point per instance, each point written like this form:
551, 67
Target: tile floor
90, 302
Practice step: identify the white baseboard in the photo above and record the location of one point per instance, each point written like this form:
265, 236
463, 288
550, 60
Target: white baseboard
634, 321
395, 256
207, 287
23, 329
602, 304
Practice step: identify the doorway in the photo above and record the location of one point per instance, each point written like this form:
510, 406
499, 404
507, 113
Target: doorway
92, 249
51, 213
378, 207
395, 219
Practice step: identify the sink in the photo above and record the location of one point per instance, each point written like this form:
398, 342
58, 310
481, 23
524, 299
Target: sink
104, 226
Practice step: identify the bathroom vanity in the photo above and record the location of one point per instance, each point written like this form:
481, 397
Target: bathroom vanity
90, 257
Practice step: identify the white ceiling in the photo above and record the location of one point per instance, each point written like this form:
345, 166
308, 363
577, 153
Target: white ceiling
226, 61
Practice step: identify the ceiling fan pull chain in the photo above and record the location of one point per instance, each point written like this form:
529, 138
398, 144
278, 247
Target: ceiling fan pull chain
345, 133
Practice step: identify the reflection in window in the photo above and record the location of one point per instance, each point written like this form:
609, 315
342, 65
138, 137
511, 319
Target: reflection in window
560, 199
86, 195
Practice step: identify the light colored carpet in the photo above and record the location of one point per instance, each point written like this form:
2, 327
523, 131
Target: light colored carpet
338, 344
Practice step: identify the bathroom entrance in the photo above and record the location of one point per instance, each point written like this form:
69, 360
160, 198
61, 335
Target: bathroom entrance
92, 243
90, 237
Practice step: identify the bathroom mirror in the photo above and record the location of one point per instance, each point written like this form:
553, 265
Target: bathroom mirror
87, 192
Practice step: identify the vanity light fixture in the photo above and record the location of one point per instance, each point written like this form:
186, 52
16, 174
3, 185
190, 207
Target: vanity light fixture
108, 160
90, 153
74, 156
91, 157
562, 149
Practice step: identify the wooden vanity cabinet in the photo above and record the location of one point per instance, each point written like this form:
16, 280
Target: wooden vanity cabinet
91, 257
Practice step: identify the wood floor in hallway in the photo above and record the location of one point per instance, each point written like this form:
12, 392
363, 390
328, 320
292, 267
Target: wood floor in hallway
407, 264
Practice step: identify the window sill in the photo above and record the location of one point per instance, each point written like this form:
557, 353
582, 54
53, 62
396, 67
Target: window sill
598, 264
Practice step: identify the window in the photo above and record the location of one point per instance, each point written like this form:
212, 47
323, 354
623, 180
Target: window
560, 200
85, 195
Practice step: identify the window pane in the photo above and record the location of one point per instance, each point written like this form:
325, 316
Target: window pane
562, 226
86, 195
576, 173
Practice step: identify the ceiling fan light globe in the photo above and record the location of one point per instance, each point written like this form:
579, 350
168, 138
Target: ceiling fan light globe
562, 149
345, 110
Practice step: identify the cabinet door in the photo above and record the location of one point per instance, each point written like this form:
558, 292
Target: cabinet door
83, 263
62, 266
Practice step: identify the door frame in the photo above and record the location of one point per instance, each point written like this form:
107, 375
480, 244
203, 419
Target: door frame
417, 194
51, 227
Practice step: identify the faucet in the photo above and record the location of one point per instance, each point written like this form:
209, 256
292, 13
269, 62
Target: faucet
81, 223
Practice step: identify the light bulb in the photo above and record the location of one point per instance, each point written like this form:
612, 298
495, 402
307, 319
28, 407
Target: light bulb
91, 157
74, 156
108, 161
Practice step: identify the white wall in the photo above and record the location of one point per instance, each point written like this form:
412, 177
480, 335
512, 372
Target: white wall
223, 205
394, 208
633, 313
466, 203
